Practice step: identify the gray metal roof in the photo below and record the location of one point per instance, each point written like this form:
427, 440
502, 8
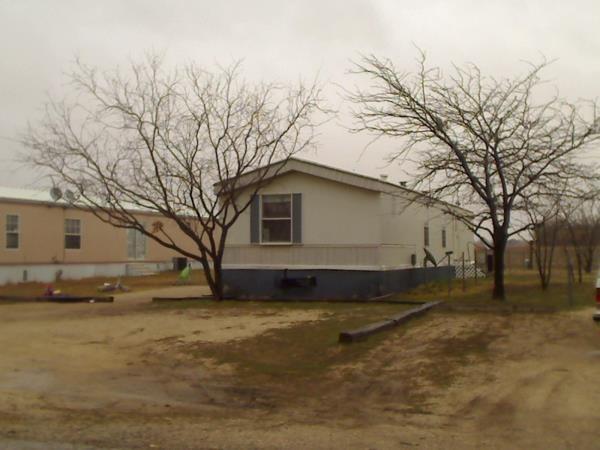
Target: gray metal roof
22, 195
27, 195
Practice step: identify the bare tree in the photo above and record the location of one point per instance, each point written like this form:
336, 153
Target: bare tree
544, 236
582, 220
479, 141
172, 142
546, 222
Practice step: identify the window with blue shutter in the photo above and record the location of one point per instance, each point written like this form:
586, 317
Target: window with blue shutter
297, 218
254, 220
276, 219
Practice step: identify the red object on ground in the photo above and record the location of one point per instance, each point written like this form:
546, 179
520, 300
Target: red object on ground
49, 292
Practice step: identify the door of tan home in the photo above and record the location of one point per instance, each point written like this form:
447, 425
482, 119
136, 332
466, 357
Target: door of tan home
136, 245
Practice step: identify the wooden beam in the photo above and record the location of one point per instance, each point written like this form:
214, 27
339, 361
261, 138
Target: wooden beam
55, 299
386, 324
181, 299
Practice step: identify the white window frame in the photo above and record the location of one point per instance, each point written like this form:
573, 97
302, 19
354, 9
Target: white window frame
18, 232
73, 234
291, 219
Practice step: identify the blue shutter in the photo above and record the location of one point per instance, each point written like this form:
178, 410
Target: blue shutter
297, 218
255, 220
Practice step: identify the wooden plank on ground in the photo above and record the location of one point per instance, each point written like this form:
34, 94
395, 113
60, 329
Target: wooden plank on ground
391, 322
180, 299
55, 299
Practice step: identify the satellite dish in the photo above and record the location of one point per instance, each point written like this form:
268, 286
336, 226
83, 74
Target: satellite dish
55, 193
70, 196
429, 257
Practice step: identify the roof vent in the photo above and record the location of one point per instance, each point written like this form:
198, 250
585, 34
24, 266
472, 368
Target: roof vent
403, 183
383, 177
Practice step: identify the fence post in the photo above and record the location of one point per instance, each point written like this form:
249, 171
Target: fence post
475, 263
450, 278
464, 286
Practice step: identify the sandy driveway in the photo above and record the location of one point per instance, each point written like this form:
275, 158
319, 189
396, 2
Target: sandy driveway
95, 356
96, 376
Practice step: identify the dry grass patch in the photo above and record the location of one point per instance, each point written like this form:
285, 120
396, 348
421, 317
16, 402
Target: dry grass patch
89, 286
522, 289
298, 350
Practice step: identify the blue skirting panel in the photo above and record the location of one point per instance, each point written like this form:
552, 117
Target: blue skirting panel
327, 284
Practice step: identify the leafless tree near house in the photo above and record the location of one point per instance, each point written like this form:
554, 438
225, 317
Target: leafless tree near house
483, 142
546, 218
172, 142
582, 223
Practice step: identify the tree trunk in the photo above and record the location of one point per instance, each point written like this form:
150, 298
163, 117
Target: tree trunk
544, 282
218, 279
589, 261
499, 248
579, 267
211, 279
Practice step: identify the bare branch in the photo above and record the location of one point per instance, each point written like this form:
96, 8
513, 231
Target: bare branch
157, 140
482, 142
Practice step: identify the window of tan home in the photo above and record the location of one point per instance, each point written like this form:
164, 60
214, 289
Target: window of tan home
72, 234
12, 231
136, 244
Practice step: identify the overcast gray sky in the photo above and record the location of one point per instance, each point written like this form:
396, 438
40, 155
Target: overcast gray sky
284, 41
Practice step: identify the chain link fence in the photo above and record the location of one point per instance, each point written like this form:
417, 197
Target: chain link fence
471, 270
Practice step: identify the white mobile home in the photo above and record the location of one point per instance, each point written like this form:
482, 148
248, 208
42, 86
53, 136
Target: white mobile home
320, 232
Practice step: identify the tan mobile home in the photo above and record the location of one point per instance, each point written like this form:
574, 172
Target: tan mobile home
317, 231
42, 238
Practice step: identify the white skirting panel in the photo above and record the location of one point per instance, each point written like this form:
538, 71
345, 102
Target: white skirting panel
48, 272
351, 257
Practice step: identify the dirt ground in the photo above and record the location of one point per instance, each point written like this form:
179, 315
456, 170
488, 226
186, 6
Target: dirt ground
126, 375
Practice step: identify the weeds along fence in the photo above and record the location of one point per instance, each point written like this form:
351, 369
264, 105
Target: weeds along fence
521, 256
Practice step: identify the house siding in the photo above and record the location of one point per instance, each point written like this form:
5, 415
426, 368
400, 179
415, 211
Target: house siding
42, 244
332, 213
403, 224
348, 227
